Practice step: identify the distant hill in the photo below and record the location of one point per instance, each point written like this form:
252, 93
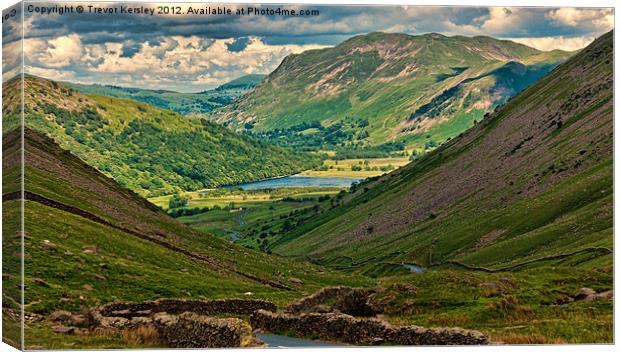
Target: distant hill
149, 150
380, 87
183, 103
532, 182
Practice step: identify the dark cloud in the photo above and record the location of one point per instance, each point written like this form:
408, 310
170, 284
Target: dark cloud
238, 45
129, 35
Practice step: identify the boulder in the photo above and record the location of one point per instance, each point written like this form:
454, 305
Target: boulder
90, 249
585, 294
60, 316
61, 329
48, 246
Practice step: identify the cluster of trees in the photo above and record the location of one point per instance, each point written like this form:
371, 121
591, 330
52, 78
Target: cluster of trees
346, 138
153, 157
178, 201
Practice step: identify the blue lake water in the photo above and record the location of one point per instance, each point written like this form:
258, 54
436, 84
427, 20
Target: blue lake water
299, 181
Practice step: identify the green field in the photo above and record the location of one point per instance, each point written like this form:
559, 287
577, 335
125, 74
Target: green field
360, 168
252, 218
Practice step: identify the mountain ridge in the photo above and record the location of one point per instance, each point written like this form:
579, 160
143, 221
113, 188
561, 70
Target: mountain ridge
183, 103
350, 81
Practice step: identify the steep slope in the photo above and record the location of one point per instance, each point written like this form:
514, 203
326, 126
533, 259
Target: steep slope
532, 180
401, 87
90, 241
183, 103
149, 150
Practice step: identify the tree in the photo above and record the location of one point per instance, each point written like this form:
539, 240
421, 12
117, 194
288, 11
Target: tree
178, 201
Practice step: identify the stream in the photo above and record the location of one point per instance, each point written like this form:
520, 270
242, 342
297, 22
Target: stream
292, 342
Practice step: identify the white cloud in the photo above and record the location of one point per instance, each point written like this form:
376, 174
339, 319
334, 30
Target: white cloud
51, 73
601, 19
552, 43
58, 52
188, 62
502, 19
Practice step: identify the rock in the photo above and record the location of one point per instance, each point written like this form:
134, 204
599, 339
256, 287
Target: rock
40, 282
103, 266
295, 280
184, 270
61, 316
89, 249
48, 246
61, 329
248, 293
607, 295
87, 287
128, 257
585, 294
101, 277
68, 253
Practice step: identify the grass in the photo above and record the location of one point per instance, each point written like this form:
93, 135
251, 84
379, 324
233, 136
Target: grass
517, 307
244, 199
252, 218
363, 167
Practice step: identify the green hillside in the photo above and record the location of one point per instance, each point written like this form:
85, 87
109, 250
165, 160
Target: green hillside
149, 150
531, 184
378, 88
89, 242
183, 103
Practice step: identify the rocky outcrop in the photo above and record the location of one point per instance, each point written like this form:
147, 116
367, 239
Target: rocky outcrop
177, 306
365, 331
191, 330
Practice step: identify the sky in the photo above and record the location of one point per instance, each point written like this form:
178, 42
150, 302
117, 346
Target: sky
194, 52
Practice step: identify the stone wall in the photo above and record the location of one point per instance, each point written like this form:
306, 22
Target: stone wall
178, 306
348, 329
190, 330
344, 299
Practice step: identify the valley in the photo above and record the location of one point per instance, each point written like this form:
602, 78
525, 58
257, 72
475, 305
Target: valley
384, 185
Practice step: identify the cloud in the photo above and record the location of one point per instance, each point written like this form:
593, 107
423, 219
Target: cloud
176, 62
58, 52
196, 52
552, 43
601, 19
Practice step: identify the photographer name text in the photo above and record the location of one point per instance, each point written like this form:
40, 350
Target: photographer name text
169, 10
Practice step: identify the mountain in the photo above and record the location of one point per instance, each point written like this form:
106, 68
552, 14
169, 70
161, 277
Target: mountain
240, 85
149, 150
183, 103
532, 182
88, 241
380, 87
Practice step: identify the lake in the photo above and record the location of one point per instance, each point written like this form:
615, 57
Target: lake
299, 181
